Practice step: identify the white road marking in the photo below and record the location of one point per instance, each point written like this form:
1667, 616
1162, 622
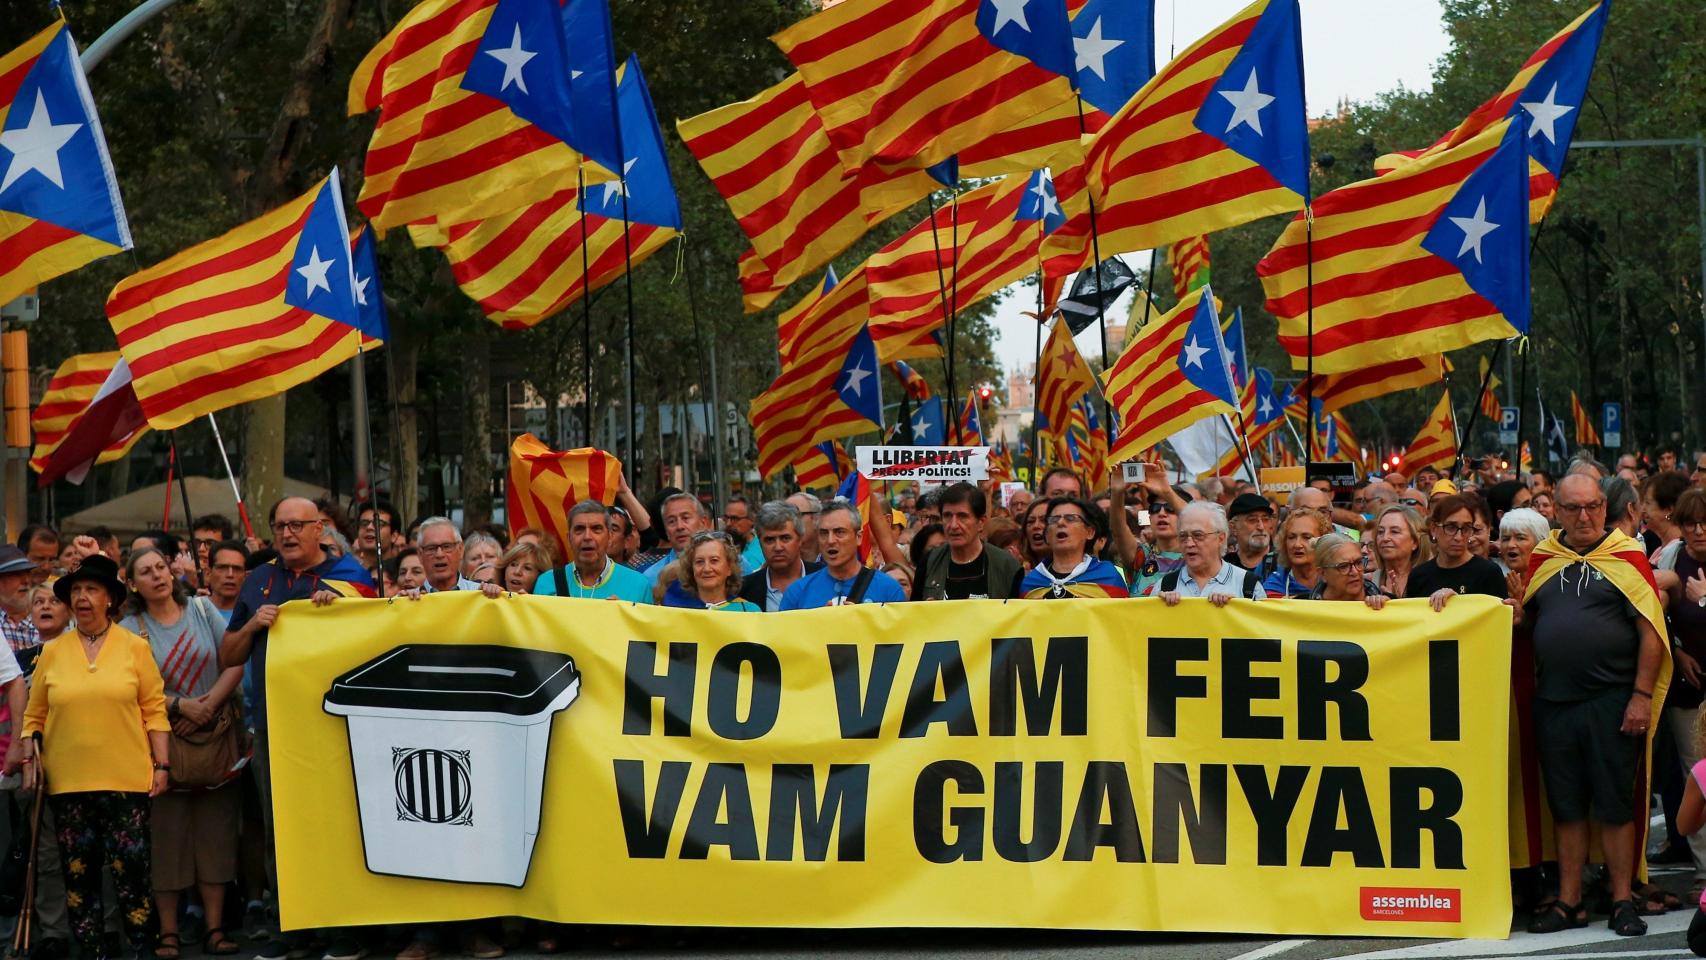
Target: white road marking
1277, 947
1526, 945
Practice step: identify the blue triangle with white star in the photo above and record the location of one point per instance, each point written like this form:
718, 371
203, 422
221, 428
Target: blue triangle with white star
1257, 108
522, 60
1037, 30
1268, 407
369, 297
829, 280
1202, 357
1234, 336
857, 383
1040, 203
1483, 230
930, 423
1551, 103
644, 175
592, 78
1113, 45
946, 173
54, 165
321, 279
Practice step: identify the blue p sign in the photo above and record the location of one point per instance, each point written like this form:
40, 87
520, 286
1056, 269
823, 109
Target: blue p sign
1508, 417
1611, 418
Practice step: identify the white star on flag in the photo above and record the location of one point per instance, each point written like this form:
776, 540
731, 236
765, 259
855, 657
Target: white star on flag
1089, 50
856, 380
1247, 105
1546, 114
1009, 11
314, 271
1266, 406
37, 145
619, 187
1474, 228
1193, 353
513, 58
361, 283
1046, 204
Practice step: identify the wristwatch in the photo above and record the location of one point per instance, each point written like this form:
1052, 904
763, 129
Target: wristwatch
158, 766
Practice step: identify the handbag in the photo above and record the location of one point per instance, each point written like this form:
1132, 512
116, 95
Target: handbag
213, 754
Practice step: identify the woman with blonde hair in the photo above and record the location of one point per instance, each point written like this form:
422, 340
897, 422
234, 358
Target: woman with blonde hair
520, 566
709, 573
1400, 545
1297, 575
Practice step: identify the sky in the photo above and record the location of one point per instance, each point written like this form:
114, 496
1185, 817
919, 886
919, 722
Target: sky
1351, 48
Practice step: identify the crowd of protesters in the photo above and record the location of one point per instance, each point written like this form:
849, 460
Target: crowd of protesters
141, 666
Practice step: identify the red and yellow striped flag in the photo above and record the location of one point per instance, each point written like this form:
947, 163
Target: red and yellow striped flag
912, 81
1436, 444
1148, 390
525, 265
1232, 462
802, 406
825, 464
822, 313
544, 484
439, 151
1189, 263
1489, 397
1160, 178
1586, 435
68, 394
1379, 295
1062, 377
1543, 185
91, 222
1339, 390
209, 327
908, 280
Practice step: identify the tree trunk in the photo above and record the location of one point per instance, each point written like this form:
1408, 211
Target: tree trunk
477, 427
406, 479
263, 455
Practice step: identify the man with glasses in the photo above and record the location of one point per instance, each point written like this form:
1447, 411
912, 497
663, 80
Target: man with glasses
1202, 534
737, 523
590, 572
302, 571
1601, 661
1698, 475
1071, 570
1250, 526
376, 527
844, 579
810, 508
440, 546
228, 567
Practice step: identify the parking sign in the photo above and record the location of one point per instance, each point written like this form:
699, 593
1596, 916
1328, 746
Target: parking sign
1611, 420
1507, 425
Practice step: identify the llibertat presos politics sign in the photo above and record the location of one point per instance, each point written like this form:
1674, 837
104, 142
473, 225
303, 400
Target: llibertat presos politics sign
936, 464
1319, 768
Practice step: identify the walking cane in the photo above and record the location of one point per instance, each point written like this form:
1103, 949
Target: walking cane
21, 936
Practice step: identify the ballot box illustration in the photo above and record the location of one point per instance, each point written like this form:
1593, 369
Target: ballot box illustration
448, 744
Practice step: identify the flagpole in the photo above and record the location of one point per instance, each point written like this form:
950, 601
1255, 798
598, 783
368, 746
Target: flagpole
1244, 435
941, 291
1096, 256
364, 451
171, 471
1309, 287
242, 508
586, 309
628, 335
953, 292
189, 518
1475, 408
1037, 364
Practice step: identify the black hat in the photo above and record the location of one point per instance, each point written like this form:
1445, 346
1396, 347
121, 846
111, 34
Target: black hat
12, 560
98, 568
1248, 503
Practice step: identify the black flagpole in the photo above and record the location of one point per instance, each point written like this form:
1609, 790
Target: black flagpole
586, 310
953, 299
942, 291
628, 339
1309, 292
189, 518
1037, 364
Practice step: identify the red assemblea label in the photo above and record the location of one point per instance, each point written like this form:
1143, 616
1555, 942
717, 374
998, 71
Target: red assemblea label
1425, 904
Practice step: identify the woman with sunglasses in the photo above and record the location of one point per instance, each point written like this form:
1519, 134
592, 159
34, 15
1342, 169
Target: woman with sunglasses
1455, 568
1339, 559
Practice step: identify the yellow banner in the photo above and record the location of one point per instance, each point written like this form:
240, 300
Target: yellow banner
1280, 767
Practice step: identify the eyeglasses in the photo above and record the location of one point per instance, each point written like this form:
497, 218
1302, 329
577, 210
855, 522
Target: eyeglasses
1579, 507
293, 526
430, 548
206, 543
1693, 526
1194, 536
1160, 507
1411, 502
1455, 529
1059, 518
1345, 569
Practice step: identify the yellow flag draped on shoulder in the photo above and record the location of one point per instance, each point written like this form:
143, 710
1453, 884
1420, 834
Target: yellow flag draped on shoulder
1623, 563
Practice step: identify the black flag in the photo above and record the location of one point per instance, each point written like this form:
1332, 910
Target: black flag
1106, 283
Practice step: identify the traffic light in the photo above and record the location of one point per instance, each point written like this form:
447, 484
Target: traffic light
984, 393
1394, 462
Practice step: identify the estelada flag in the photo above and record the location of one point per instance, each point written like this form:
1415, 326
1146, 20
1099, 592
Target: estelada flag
544, 484
1436, 443
243, 316
59, 201
1586, 435
1339, 390
1489, 397
825, 465
81, 388
1546, 96
916, 81
1062, 377
1151, 389
1429, 258
1188, 261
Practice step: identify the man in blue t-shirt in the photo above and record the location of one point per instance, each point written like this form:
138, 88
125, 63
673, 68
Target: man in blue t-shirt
838, 583
591, 574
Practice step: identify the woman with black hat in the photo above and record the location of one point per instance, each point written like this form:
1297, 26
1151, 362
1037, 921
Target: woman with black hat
99, 704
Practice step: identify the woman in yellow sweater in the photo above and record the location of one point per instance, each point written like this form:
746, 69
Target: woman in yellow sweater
98, 701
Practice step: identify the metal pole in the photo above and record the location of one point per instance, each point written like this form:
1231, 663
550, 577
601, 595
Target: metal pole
362, 423
1700, 187
120, 31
